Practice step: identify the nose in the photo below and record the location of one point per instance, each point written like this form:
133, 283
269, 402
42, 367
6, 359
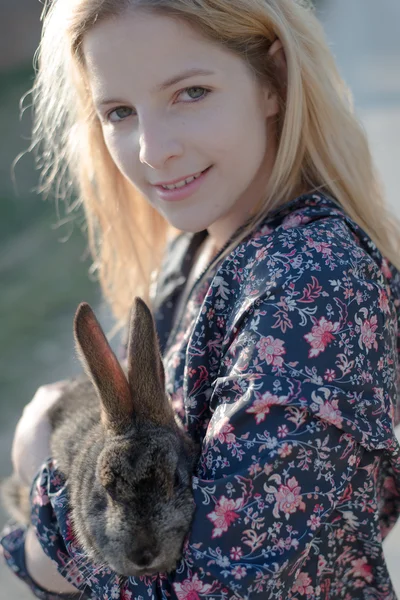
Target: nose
157, 144
142, 557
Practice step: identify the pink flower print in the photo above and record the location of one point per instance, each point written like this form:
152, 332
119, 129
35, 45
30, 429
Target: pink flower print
302, 585
320, 336
224, 515
327, 408
384, 301
265, 230
330, 412
223, 431
283, 431
238, 572
236, 553
359, 297
220, 322
348, 293
314, 522
386, 270
261, 253
379, 394
321, 565
329, 375
70, 535
322, 247
40, 496
177, 400
368, 335
293, 220
285, 450
262, 403
271, 350
254, 468
210, 314
288, 499
190, 589
362, 569
366, 376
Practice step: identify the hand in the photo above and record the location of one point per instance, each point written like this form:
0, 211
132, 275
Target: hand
31, 444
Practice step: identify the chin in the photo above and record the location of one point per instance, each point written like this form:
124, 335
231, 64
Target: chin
194, 224
189, 229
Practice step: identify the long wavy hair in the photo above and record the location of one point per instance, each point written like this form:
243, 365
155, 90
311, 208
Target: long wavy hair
321, 144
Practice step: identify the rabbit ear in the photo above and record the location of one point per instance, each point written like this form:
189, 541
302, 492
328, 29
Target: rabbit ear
145, 367
104, 369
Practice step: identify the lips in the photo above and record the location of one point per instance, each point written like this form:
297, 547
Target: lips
175, 181
181, 192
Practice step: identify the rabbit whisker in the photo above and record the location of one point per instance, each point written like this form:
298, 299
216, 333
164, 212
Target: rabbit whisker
82, 565
76, 561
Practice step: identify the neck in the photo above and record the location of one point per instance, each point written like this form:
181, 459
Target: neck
221, 231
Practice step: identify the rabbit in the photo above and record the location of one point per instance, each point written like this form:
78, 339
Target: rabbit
126, 457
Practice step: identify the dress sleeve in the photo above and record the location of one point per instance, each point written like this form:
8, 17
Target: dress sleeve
12, 547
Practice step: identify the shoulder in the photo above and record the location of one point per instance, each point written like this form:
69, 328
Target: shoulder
308, 313
310, 242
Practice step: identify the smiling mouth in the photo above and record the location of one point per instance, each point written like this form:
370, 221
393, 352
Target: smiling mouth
182, 182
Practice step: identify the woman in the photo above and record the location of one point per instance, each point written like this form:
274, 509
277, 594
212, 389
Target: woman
277, 308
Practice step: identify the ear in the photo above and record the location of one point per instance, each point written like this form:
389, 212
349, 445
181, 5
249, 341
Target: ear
104, 370
145, 367
277, 53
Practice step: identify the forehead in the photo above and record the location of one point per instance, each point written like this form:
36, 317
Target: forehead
145, 49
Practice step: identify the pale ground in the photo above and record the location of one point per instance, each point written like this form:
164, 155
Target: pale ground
365, 39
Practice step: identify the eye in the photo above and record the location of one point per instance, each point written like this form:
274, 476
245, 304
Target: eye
199, 93
119, 114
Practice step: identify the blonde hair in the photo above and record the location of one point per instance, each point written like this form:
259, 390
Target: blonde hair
322, 146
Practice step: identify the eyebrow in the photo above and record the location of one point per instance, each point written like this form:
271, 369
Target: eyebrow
168, 83
181, 76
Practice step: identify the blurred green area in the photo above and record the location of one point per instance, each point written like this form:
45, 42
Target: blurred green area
43, 267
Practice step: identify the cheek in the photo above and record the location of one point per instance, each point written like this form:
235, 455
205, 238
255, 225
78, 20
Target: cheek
239, 134
123, 153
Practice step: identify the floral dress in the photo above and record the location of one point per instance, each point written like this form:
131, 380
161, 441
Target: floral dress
283, 366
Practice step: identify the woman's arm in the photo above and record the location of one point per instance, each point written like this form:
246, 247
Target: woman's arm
42, 570
31, 443
31, 447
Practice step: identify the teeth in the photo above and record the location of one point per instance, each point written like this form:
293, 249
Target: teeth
181, 183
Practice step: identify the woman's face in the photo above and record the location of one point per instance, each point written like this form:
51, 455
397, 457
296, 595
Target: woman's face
163, 122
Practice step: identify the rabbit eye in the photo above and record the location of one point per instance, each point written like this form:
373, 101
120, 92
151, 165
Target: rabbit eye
116, 487
110, 486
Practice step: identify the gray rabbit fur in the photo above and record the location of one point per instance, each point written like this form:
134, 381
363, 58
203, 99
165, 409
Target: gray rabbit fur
127, 459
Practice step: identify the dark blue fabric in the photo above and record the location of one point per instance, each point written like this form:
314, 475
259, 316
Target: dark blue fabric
284, 367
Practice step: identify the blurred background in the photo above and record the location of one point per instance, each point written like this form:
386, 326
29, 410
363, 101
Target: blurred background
44, 261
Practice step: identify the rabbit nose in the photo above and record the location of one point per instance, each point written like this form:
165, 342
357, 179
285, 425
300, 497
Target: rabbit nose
142, 557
